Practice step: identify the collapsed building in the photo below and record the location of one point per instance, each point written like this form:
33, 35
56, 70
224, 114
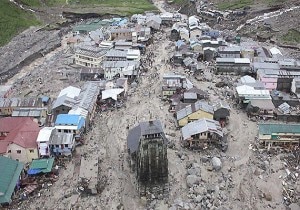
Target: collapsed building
147, 147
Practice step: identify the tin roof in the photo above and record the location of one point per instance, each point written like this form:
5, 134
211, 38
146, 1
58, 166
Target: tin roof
199, 105
45, 134
91, 51
200, 126
9, 176
70, 91
70, 120
61, 138
40, 166
20, 102
63, 100
27, 112
88, 96
276, 128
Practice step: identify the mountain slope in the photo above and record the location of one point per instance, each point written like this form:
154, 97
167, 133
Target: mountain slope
13, 20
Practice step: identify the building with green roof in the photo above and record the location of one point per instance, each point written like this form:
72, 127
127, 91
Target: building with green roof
10, 171
89, 26
40, 166
276, 133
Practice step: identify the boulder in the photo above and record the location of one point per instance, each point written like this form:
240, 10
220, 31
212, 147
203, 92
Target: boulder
192, 180
194, 171
216, 163
268, 196
294, 206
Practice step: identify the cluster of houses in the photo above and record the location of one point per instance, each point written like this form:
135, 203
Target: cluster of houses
268, 88
112, 48
201, 123
34, 131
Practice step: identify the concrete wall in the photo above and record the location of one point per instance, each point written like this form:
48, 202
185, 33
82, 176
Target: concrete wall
25, 155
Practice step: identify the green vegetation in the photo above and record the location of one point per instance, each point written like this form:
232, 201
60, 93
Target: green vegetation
234, 4
292, 36
13, 20
140, 5
32, 3
274, 2
120, 7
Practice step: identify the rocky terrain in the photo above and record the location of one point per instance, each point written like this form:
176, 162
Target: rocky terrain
246, 176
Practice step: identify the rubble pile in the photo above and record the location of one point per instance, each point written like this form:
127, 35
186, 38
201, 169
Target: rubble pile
26, 47
290, 181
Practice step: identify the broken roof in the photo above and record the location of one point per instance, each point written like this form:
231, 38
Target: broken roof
262, 103
284, 108
200, 126
144, 128
9, 176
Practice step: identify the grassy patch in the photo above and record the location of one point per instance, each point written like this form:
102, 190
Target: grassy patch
292, 36
274, 2
121, 7
31, 3
135, 4
234, 4
13, 20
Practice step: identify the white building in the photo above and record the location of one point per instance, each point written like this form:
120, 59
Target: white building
43, 141
246, 93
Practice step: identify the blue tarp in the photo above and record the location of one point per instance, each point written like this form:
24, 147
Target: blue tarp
34, 171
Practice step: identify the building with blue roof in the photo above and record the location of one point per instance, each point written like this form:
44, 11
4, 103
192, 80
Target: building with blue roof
70, 123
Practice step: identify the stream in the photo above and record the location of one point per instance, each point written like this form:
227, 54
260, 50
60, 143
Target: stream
21, 6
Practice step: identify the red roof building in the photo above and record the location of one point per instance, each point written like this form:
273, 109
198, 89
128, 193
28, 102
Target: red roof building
18, 138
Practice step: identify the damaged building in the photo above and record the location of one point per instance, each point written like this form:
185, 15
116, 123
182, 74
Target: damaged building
200, 133
147, 147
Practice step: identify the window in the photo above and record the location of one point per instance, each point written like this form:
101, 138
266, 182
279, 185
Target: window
56, 146
66, 145
19, 151
59, 130
31, 151
9, 151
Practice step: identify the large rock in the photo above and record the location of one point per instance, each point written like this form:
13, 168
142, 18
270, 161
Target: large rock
294, 206
216, 163
194, 171
192, 180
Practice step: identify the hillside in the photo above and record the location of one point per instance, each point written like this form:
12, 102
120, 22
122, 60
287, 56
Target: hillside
13, 20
